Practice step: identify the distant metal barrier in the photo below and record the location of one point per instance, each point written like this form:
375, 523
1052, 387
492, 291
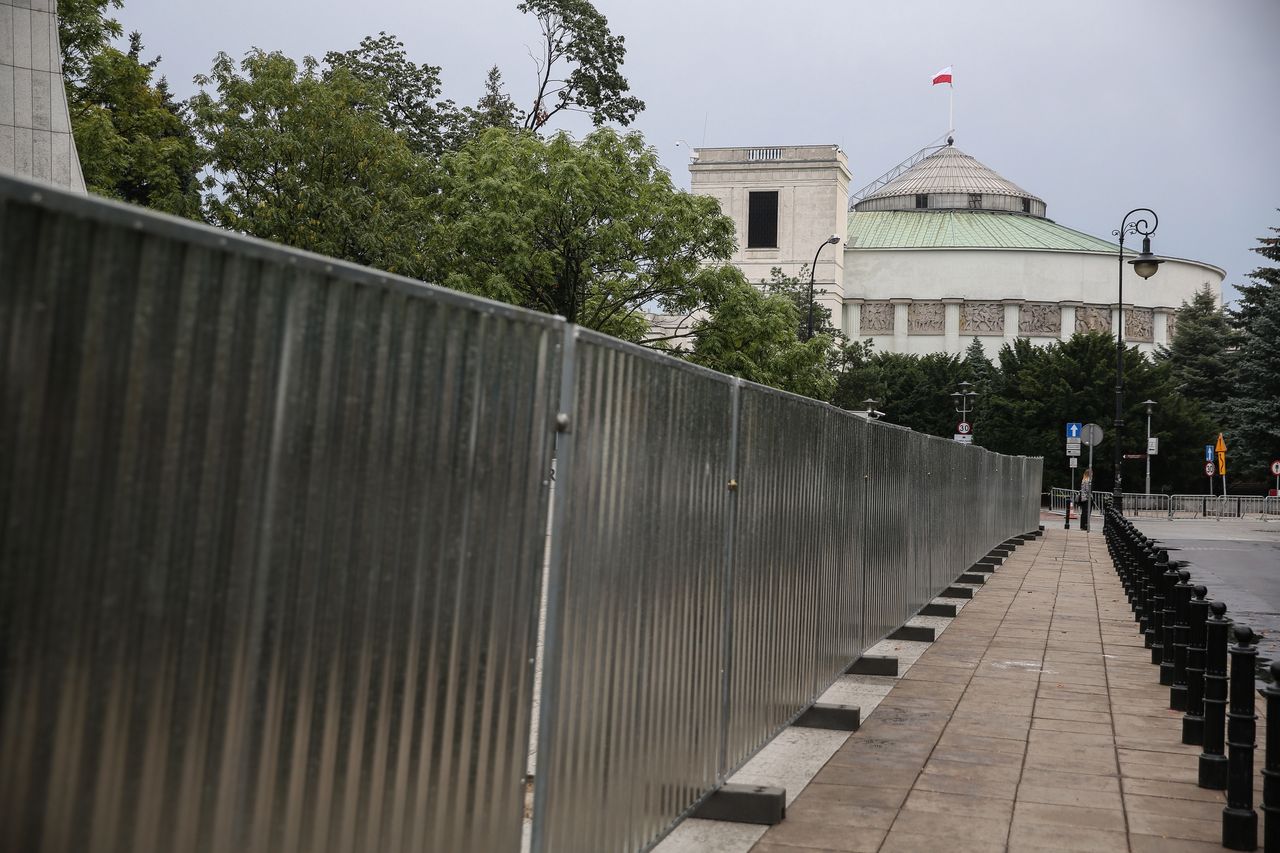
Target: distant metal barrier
1247, 507
272, 532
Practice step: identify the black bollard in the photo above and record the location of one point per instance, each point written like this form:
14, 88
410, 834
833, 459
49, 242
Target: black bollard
1193, 720
1155, 607
1142, 594
1213, 763
1239, 820
1271, 767
1182, 607
1170, 580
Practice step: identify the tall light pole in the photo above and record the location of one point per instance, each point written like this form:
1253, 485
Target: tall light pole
813, 272
1149, 404
1145, 266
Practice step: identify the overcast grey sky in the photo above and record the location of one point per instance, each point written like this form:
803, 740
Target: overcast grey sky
1097, 107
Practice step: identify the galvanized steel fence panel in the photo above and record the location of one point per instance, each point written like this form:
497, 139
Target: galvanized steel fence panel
786, 543
273, 534
630, 731
251, 595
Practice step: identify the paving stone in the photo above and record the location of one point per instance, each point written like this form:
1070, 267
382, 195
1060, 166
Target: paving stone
1070, 815
1034, 722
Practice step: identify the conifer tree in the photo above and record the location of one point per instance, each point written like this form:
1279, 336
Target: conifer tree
1253, 409
1199, 355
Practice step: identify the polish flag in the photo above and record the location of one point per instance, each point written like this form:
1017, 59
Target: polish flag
943, 76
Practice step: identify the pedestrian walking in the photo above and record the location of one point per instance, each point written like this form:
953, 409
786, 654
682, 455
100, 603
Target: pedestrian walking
1086, 497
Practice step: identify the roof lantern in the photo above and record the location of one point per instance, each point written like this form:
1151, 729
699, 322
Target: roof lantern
952, 180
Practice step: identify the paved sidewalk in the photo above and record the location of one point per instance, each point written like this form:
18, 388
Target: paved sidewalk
1035, 722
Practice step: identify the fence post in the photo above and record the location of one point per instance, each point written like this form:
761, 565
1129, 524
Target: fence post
1182, 595
1239, 820
1271, 766
1170, 581
1213, 764
1193, 720
1155, 618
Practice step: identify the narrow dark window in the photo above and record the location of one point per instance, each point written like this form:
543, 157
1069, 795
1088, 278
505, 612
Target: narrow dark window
922, 200
1026, 205
762, 220
975, 201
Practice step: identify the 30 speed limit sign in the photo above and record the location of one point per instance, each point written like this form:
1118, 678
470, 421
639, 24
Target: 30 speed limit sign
1209, 469
1275, 467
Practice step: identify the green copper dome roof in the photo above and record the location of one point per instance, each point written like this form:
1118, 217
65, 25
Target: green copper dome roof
956, 229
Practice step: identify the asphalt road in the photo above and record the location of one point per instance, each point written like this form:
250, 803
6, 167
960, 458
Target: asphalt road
1239, 561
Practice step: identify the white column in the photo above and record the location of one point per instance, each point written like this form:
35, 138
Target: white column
1160, 327
1011, 319
853, 319
900, 324
1068, 320
951, 325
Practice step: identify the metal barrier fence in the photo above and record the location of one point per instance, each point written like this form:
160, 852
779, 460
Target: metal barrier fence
271, 544
1138, 504
1256, 507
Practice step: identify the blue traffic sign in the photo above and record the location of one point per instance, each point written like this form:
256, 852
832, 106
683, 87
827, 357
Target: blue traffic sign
1073, 430
1208, 453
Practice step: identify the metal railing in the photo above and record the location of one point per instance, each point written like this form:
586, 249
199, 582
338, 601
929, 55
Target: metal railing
272, 535
1138, 504
1255, 507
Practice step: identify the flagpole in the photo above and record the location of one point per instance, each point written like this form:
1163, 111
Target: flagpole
951, 115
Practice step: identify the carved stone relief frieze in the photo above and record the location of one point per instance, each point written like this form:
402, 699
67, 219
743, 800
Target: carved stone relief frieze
877, 318
1040, 319
1093, 318
1170, 327
926, 318
1139, 325
982, 318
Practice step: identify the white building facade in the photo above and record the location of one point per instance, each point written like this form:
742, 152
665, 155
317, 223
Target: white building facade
945, 252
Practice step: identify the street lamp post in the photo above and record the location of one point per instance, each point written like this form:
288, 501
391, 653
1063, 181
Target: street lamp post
872, 414
1149, 404
813, 272
1145, 266
963, 398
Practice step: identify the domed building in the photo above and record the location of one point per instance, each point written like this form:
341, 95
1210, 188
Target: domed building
941, 252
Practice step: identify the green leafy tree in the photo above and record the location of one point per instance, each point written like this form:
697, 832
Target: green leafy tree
133, 139
593, 230
1199, 355
578, 65
857, 377
403, 94
752, 334
84, 29
1254, 406
303, 158
1039, 389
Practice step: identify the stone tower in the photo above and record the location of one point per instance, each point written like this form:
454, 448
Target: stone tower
35, 127
786, 201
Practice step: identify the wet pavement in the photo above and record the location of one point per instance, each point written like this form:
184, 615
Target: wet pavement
1239, 561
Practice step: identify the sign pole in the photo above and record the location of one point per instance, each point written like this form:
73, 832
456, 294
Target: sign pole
1071, 496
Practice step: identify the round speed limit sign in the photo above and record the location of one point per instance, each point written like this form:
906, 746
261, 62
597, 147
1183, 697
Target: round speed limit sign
1209, 469
1275, 467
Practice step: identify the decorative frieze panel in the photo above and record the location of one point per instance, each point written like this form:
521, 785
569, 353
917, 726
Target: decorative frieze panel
1170, 327
1040, 319
926, 318
1093, 318
1139, 325
877, 318
982, 318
